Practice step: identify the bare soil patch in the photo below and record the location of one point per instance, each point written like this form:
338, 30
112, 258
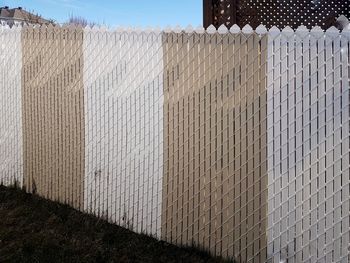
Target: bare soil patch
33, 229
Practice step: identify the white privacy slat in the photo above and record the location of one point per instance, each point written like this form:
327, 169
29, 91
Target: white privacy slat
123, 84
11, 142
315, 227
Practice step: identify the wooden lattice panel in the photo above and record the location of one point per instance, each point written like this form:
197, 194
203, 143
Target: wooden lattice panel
291, 13
270, 13
218, 12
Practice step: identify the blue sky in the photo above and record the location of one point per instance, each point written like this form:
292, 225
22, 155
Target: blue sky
118, 12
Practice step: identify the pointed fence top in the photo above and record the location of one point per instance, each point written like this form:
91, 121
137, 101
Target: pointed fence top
167, 29
157, 30
149, 30
138, 30
120, 29
274, 32
222, 29
302, 32
235, 29
317, 32
189, 29
332, 32
288, 32
177, 29
211, 29
200, 30
95, 28
261, 29
247, 29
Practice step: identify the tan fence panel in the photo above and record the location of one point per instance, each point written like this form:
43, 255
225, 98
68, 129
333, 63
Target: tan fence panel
215, 176
53, 113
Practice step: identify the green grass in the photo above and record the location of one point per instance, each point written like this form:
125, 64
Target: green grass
36, 230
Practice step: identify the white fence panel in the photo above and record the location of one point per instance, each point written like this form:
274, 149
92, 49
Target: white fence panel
308, 138
123, 81
11, 145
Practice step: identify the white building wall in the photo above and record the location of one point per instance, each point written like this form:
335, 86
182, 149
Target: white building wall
123, 90
11, 144
308, 146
